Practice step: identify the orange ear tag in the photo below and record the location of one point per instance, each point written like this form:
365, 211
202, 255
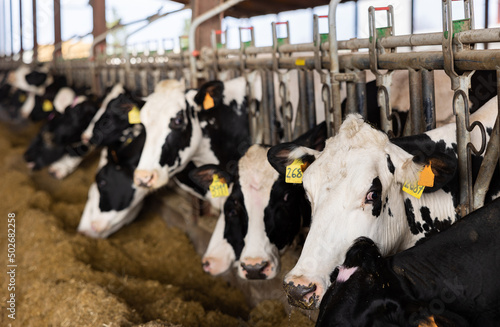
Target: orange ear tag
218, 188
134, 116
208, 103
426, 176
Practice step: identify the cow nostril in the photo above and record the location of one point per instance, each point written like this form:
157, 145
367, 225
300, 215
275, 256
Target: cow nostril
301, 296
206, 266
255, 271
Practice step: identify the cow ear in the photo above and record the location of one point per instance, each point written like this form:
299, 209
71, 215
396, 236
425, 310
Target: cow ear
282, 155
443, 164
36, 78
314, 138
203, 176
210, 95
363, 253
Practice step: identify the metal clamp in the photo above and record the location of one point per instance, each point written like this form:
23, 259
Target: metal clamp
384, 80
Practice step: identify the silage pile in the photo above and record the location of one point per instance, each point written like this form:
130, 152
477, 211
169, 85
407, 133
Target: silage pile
147, 274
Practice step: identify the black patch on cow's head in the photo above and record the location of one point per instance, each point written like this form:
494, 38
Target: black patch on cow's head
374, 197
13, 102
51, 91
203, 176
236, 220
279, 157
215, 89
113, 123
365, 298
415, 226
179, 138
115, 180
425, 151
390, 165
286, 213
36, 78
74, 121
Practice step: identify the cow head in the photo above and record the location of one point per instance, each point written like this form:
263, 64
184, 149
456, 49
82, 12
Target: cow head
113, 199
262, 215
91, 128
60, 135
366, 291
219, 255
114, 124
174, 135
355, 189
45, 105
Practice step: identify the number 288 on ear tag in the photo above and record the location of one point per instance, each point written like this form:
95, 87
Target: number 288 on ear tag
134, 116
218, 187
294, 172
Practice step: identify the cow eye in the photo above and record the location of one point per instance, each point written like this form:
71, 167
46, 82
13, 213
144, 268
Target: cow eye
372, 196
177, 121
102, 183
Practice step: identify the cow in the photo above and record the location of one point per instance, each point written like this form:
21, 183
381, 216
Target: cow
261, 216
355, 189
450, 279
61, 135
66, 164
208, 126
113, 200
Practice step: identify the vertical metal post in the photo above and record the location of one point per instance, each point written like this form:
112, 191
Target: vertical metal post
361, 94
57, 28
486, 20
336, 111
4, 29
21, 49
428, 99
35, 39
11, 30
351, 101
415, 80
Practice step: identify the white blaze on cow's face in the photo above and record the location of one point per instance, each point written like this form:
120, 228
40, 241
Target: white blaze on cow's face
259, 258
219, 255
349, 185
172, 134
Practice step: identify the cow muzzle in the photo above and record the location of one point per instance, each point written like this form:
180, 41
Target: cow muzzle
302, 293
145, 178
256, 268
215, 266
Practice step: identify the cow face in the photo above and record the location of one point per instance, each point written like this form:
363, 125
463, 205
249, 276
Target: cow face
112, 124
45, 105
354, 187
89, 131
366, 291
171, 140
60, 135
113, 199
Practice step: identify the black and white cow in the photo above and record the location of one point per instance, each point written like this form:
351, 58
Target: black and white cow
451, 279
66, 164
61, 135
113, 200
262, 215
209, 126
355, 189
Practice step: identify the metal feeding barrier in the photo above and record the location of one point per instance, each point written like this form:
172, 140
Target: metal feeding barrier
325, 70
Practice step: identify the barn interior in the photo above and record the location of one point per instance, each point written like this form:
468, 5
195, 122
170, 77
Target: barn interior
149, 272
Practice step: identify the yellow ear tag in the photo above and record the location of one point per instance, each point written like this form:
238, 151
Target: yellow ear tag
426, 176
134, 116
47, 106
22, 98
208, 103
294, 172
413, 189
218, 187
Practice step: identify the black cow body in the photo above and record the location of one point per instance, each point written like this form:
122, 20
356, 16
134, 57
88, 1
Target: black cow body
451, 279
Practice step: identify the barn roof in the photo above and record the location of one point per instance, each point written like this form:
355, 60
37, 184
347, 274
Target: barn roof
264, 7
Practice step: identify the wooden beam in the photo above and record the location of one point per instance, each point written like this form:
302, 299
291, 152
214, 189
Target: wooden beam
99, 15
57, 28
204, 30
